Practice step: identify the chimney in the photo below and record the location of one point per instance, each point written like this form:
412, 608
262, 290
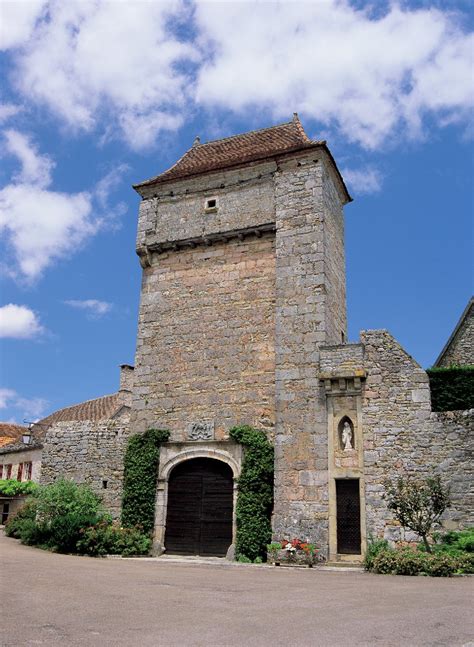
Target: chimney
126, 377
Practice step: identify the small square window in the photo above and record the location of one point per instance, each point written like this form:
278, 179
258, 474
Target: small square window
211, 205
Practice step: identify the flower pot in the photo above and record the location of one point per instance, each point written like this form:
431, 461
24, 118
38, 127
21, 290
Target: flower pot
276, 563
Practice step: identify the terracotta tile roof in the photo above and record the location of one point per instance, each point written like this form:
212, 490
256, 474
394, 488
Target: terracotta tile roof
251, 146
101, 408
10, 433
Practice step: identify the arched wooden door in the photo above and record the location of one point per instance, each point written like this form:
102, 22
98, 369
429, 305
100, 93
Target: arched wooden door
199, 509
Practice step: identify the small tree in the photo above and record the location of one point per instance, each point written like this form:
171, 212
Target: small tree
417, 503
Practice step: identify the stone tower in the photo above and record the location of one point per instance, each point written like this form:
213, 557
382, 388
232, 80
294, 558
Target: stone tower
242, 248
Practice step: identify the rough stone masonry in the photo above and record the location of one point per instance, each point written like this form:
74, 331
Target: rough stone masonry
243, 321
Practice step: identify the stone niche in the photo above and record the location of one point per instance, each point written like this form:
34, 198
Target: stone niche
345, 440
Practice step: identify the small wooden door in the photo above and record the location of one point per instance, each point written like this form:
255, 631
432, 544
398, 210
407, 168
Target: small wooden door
199, 510
348, 516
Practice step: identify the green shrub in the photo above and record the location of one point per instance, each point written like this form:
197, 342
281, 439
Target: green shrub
254, 493
108, 539
133, 542
65, 497
97, 540
442, 565
452, 388
407, 561
458, 539
33, 534
54, 519
140, 473
23, 525
12, 487
15, 523
466, 563
374, 547
385, 562
64, 531
411, 562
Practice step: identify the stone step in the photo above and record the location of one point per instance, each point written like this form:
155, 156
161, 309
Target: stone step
357, 565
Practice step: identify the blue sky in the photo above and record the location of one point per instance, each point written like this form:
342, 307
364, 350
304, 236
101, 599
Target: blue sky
99, 95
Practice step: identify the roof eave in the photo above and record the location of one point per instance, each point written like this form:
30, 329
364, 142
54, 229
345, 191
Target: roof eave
159, 180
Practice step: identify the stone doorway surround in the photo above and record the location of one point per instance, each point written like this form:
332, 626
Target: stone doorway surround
174, 453
343, 376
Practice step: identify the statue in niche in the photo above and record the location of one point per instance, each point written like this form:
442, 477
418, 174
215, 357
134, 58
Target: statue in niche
346, 436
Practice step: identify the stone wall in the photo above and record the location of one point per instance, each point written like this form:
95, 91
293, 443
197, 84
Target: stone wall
211, 316
402, 434
309, 268
89, 452
245, 198
385, 395
205, 348
334, 259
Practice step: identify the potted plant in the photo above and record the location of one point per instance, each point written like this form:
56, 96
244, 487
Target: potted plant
310, 552
273, 550
290, 549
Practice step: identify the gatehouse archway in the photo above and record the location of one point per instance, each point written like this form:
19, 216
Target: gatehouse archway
199, 515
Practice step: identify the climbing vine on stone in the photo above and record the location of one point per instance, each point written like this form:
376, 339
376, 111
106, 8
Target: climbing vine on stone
141, 462
255, 493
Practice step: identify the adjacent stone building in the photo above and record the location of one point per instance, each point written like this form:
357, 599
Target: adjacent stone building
86, 442
459, 349
20, 459
243, 321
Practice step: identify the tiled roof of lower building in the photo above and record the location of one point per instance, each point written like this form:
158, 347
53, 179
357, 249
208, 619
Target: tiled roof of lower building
10, 433
101, 408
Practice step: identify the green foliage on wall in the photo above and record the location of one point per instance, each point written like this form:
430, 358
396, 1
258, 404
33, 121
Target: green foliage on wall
140, 473
255, 493
12, 487
452, 388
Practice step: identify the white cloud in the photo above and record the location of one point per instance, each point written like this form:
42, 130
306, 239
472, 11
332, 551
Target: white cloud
7, 111
135, 69
35, 168
25, 407
31, 408
43, 225
363, 180
334, 63
18, 19
94, 307
85, 58
6, 395
19, 322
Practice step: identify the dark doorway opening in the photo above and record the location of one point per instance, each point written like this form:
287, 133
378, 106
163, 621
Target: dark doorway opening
348, 516
199, 510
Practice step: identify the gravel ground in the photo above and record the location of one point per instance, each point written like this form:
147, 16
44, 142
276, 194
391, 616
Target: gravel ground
49, 599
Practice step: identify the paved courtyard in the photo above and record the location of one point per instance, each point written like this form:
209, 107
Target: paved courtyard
49, 599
